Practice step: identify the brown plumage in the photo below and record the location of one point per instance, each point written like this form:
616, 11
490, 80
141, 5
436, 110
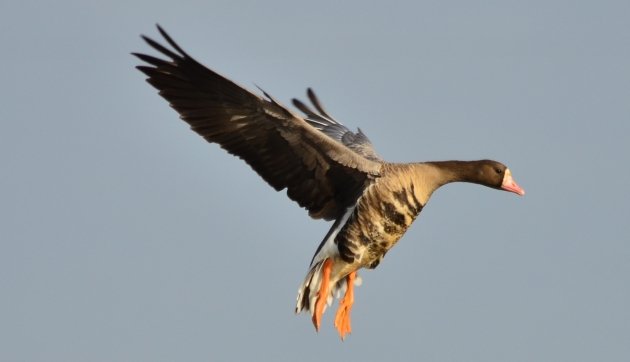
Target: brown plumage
332, 172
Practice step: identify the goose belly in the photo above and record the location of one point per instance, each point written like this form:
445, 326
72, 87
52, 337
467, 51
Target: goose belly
378, 222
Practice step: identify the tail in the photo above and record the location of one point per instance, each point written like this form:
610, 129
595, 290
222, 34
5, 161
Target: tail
309, 290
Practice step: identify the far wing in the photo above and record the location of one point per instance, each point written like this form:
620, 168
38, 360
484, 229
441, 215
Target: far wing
357, 142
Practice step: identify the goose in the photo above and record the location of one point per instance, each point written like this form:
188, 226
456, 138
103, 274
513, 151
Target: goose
327, 169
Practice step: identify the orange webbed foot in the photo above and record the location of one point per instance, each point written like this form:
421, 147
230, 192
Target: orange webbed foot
322, 296
342, 318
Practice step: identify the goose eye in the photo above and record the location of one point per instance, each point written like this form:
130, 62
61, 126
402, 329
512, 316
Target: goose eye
498, 170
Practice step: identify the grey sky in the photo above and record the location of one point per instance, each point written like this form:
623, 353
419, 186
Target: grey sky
126, 237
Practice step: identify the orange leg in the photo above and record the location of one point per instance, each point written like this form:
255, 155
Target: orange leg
342, 318
324, 290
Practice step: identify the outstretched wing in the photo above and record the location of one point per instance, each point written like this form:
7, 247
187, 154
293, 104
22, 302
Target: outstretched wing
320, 174
358, 142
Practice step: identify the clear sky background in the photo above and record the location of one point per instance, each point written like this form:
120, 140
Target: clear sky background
125, 237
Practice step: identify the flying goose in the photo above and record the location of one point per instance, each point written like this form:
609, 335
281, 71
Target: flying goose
327, 169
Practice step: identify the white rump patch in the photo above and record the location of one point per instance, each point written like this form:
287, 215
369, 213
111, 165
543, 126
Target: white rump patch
329, 248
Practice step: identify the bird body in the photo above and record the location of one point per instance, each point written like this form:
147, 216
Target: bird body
381, 216
331, 171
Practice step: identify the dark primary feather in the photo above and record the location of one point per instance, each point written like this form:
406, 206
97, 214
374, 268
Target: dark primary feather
322, 174
358, 142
